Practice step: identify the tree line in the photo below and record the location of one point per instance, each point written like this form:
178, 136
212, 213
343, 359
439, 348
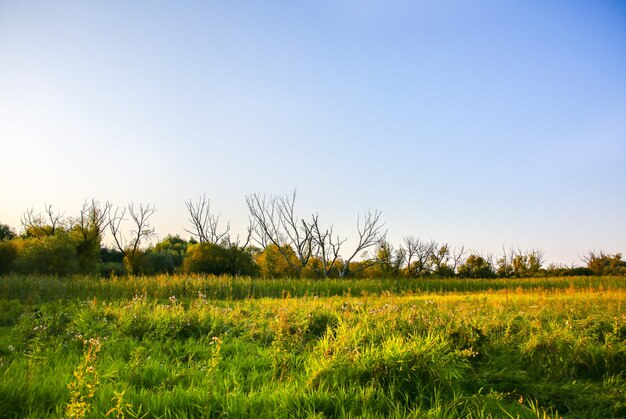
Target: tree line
277, 242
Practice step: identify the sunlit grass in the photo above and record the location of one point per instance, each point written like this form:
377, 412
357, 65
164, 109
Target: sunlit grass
211, 347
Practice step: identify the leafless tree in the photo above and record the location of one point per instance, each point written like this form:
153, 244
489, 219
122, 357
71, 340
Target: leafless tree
142, 229
38, 224
370, 230
325, 247
418, 255
457, 257
275, 222
205, 224
267, 226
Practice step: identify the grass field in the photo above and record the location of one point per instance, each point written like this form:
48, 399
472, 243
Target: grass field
222, 347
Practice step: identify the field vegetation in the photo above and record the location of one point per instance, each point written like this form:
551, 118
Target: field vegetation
287, 321
207, 346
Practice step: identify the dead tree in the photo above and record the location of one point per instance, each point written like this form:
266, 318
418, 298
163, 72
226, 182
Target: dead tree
298, 232
267, 226
418, 255
370, 230
325, 247
142, 230
205, 224
275, 223
39, 225
457, 257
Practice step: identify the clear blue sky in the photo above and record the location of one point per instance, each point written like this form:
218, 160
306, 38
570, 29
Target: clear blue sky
483, 123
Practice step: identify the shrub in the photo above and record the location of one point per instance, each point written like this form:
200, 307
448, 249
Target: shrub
476, 267
206, 258
108, 269
52, 255
8, 253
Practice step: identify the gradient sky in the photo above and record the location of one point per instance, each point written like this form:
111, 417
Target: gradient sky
487, 123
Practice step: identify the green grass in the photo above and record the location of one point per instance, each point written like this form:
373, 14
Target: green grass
222, 347
36, 288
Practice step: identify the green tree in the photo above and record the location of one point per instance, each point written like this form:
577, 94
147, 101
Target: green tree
440, 259
88, 229
476, 266
388, 260
527, 264
51, 255
8, 254
601, 263
6, 233
276, 263
174, 249
206, 258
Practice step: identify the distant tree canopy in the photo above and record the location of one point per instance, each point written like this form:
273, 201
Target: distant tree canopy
277, 243
6, 233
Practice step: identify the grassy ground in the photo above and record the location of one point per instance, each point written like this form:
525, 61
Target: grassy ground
218, 347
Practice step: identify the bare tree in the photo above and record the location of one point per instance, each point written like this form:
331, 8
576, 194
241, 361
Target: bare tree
267, 226
457, 257
275, 222
38, 224
298, 232
325, 247
418, 255
205, 224
370, 230
141, 230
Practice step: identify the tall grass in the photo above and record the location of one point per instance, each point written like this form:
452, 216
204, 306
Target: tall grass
195, 347
41, 288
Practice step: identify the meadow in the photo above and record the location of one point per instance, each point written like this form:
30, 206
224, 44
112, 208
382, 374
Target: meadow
202, 346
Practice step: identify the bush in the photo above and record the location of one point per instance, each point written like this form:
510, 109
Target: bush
154, 263
8, 253
206, 258
108, 269
51, 255
476, 267
601, 263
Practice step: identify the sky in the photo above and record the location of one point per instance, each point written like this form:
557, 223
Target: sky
488, 124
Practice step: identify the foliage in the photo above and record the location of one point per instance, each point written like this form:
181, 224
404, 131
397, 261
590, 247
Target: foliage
388, 261
8, 254
272, 263
206, 258
601, 263
87, 249
108, 269
476, 266
54, 255
6, 232
108, 254
85, 382
175, 247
